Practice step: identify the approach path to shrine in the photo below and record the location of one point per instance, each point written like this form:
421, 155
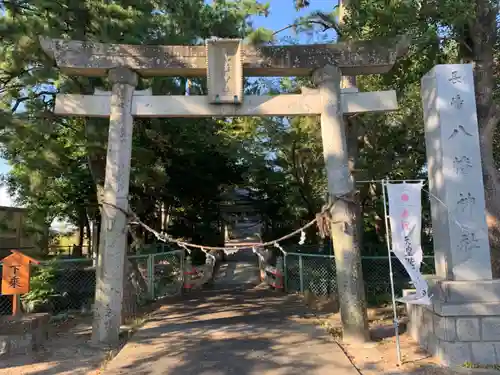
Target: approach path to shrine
244, 332
239, 327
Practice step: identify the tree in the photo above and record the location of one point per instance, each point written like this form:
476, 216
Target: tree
29, 79
444, 32
60, 162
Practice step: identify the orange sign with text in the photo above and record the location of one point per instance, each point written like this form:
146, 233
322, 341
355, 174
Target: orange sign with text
16, 273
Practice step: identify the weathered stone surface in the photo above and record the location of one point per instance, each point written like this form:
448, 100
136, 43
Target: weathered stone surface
445, 328
11, 325
414, 318
496, 345
468, 329
432, 346
425, 330
199, 106
123, 75
466, 341
21, 344
454, 353
490, 328
353, 58
145, 92
467, 309
467, 291
21, 335
461, 246
113, 236
4, 345
484, 353
349, 274
225, 71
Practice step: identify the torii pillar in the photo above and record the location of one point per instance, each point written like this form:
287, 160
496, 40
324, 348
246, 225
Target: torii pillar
350, 283
113, 239
225, 62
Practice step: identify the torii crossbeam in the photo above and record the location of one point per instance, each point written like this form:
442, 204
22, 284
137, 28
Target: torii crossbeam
144, 104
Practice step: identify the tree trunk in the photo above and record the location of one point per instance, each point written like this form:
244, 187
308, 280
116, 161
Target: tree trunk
353, 133
95, 233
347, 223
88, 236
78, 250
484, 32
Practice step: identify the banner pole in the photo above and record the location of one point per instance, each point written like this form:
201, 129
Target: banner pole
391, 275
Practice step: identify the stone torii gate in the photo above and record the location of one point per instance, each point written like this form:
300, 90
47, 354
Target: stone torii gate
225, 62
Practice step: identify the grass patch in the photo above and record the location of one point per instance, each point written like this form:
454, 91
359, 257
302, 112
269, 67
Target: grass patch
476, 365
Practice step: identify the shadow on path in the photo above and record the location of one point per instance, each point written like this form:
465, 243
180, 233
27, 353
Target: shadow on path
242, 332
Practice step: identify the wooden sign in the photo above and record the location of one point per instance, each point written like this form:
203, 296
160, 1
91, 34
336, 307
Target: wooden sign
16, 273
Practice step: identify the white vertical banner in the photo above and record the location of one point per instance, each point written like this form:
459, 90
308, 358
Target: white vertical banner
405, 214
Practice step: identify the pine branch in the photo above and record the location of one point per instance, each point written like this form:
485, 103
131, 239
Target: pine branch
19, 101
316, 18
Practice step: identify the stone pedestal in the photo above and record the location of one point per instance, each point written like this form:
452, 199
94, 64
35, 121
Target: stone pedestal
463, 323
22, 335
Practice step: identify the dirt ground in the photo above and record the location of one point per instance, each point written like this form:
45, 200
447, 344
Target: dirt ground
69, 350
380, 356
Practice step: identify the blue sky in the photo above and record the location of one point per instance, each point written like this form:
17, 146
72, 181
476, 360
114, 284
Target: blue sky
282, 13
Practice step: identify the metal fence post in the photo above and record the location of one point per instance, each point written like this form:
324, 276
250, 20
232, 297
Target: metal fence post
151, 275
285, 275
301, 274
183, 268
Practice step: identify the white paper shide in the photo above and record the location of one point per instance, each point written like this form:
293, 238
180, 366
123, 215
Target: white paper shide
405, 214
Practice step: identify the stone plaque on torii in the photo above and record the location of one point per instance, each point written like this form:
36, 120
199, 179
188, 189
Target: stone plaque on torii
225, 62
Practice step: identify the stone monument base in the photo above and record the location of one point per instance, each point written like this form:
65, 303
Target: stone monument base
24, 334
462, 324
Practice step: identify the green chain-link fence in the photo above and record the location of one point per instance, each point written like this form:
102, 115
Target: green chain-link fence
69, 284
168, 270
316, 273
5, 301
377, 278
309, 272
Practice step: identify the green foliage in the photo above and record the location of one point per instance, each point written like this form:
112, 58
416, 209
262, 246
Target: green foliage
58, 163
186, 165
260, 35
41, 287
